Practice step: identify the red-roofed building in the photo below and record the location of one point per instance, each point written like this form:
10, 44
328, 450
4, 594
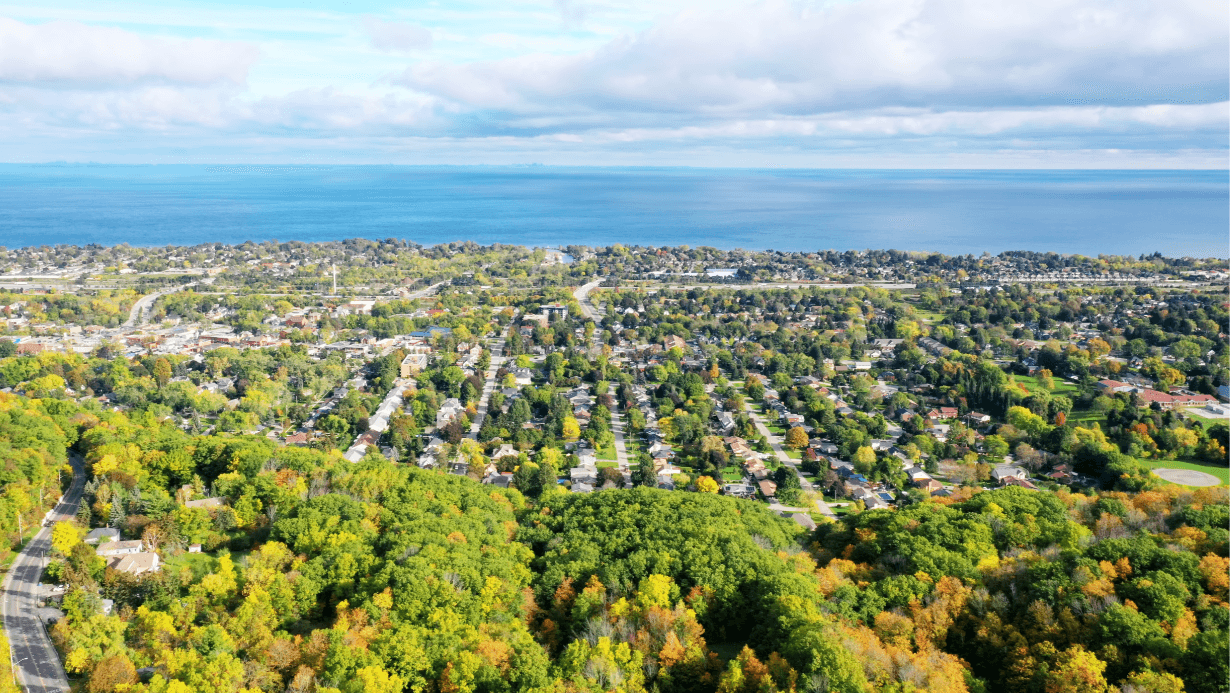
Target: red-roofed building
1169, 401
1114, 386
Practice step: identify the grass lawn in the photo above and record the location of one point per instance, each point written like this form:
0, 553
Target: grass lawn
1220, 471
604, 465
793, 454
732, 474
1087, 416
774, 428
607, 453
1062, 387
201, 564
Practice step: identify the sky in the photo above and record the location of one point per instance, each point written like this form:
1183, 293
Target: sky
773, 83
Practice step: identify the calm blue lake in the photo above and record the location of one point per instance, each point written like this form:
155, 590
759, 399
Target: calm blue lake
1089, 212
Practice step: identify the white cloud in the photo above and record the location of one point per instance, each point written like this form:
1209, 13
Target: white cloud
920, 123
819, 82
788, 58
396, 36
67, 53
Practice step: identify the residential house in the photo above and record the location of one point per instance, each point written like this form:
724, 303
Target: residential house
804, 520
505, 450
119, 548
135, 563
449, 410
739, 490
977, 418
102, 534
1004, 471
501, 480
1023, 483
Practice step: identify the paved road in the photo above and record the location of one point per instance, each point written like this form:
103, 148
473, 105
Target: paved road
423, 292
36, 662
784, 458
140, 310
582, 295
791, 285
497, 360
617, 427
617, 422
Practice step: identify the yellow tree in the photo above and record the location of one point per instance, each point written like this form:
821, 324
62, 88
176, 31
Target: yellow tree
863, 458
64, 536
1076, 671
796, 438
162, 372
706, 484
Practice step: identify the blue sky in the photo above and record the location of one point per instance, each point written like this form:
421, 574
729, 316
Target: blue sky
842, 83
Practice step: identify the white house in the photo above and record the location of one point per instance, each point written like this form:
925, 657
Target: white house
119, 548
449, 410
135, 563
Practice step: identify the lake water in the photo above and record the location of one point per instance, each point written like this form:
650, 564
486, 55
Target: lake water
1088, 212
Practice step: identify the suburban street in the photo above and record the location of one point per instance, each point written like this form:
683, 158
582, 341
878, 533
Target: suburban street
35, 661
497, 360
785, 459
617, 420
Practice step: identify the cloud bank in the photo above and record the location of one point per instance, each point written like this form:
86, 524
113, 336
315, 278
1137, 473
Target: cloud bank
784, 58
396, 36
825, 81
72, 54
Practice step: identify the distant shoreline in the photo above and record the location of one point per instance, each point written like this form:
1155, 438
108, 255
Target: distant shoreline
1118, 212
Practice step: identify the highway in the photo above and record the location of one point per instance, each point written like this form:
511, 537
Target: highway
35, 660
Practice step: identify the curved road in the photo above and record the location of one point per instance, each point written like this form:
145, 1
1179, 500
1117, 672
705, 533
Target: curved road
35, 660
582, 295
140, 309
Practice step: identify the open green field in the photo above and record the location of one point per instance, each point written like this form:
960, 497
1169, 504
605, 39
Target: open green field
1062, 387
732, 473
928, 316
793, 454
201, 564
607, 453
1221, 471
1086, 416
